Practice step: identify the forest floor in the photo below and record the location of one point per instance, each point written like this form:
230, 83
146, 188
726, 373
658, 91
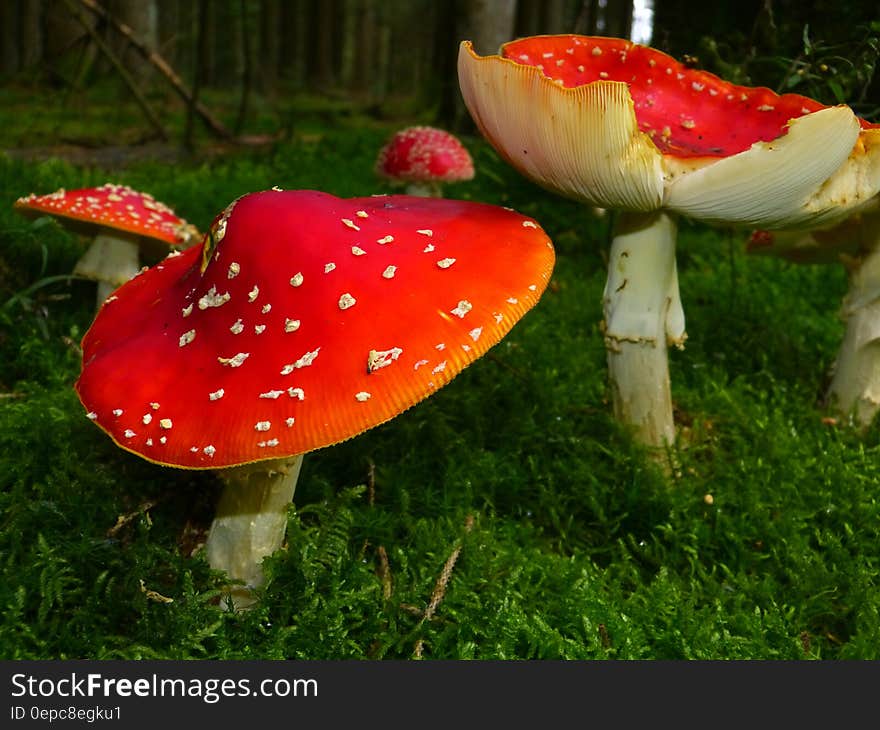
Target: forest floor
570, 542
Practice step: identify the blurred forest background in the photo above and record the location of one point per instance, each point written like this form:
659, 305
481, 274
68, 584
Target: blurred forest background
237, 66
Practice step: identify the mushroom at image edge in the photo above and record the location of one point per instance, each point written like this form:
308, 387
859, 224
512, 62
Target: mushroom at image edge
625, 127
854, 390
424, 158
303, 320
124, 224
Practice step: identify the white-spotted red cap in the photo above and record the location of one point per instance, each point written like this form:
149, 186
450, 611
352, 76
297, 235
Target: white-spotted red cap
620, 125
112, 208
304, 319
423, 155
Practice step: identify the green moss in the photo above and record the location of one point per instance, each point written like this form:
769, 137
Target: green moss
578, 547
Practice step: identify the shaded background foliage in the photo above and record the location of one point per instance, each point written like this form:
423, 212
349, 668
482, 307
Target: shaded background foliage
397, 57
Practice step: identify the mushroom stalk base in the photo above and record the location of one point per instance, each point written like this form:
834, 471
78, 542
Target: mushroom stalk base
251, 521
855, 386
109, 260
643, 315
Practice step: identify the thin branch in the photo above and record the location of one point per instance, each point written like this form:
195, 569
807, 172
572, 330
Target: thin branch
120, 69
163, 67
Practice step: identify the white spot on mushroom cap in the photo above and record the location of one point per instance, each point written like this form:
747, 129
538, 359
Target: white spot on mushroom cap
428, 248
357, 251
362, 396
389, 272
439, 368
272, 394
237, 327
346, 301
118, 412
186, 311
217, 394
351, 224
303, 362
165, 423
186, 338
235, 361
385, 239
291, 325
129, 433
378, 359
425, 232
464, 306
475, 333
147, 418
262, 425
296, 279
362, 214
297, 393
213, 299
91, 415
529, 224
209, 450
445, 263
234, 269
253, 293
259, 329
290, 421
329, 267
419, 364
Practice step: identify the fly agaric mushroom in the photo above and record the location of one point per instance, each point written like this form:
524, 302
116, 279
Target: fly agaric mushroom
123, 223
623, 126
302, 320
424, 158
855, 243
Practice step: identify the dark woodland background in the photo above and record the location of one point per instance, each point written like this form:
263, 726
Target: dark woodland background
396, 58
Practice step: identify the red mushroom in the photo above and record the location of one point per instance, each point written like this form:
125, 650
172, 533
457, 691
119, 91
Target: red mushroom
854, 390
623, 126
424, 158
123, 224
302, 320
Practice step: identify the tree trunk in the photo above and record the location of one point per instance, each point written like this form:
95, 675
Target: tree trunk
9, 14
142, 17
270, 24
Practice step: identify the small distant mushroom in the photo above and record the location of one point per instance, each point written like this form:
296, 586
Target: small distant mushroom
625, 127
854, 390
301, 321
424, 158
125, 224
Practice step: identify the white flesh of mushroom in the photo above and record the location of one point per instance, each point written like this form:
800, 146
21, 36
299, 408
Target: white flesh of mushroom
250, 522
109, 260
643, 315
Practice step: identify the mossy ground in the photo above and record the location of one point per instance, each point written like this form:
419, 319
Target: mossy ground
570, 543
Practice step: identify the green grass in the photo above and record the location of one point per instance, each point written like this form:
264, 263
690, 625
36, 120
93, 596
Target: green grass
577, 546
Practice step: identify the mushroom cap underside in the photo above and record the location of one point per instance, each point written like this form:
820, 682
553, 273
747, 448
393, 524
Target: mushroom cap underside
587, 141
303, 320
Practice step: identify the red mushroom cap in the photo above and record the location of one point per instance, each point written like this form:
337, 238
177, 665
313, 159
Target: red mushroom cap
116, 208
685, 111
619, 125
424, 154
303, 320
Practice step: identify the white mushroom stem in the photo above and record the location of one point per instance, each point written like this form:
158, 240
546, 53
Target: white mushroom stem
250, 522
424, 189
855, 385
109, 260
643, 315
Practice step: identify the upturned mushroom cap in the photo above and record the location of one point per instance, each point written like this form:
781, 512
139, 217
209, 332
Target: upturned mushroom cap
304, 319
116, 209
424, 154
620, 125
